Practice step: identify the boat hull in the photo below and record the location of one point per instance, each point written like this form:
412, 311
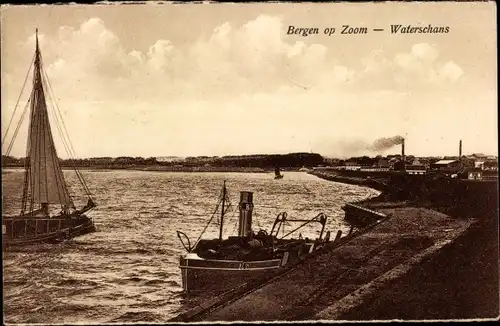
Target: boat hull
201, 276
23, 231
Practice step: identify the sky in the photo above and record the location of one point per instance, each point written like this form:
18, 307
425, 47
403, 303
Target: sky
226, 79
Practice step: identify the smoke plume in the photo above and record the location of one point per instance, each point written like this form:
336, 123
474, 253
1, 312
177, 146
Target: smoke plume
385, 143
344, 148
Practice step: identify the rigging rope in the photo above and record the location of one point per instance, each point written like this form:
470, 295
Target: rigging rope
227, 202
63, 139
283, 234
56, 158
235, 223
206, 226
213, 214
16, 131
17, 103
64, 135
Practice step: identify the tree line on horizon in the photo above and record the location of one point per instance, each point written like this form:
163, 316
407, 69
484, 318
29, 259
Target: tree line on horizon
262, 161
253, 161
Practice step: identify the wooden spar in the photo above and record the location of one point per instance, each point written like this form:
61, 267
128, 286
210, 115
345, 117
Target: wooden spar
222, 211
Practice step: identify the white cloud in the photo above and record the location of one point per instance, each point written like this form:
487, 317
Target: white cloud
451, 71
251, 58
425, 52
237, 79
376, 62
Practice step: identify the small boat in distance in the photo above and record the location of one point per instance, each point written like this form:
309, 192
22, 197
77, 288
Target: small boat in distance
304, 169
277, 173
213, 266
44, 185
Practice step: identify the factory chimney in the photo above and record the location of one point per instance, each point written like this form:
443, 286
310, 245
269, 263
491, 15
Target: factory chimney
403, 158
460, 150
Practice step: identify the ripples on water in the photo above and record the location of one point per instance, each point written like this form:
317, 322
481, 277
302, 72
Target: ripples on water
127, 271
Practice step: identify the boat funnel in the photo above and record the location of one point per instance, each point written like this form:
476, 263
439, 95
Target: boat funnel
246, 208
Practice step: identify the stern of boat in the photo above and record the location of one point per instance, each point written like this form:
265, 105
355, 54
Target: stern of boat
21, 230
82, 225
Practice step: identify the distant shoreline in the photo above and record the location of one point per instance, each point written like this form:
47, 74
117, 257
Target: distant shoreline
162, 168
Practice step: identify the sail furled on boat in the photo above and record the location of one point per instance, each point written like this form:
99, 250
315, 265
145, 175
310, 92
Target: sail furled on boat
44, 181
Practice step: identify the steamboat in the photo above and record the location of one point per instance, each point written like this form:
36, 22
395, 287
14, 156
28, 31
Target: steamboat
213, 266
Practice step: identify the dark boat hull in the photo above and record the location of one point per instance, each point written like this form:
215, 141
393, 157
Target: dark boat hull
23, 231
200, 276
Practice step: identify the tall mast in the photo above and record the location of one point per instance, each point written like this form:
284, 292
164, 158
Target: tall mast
222, 211
44, 181
37, 76
36, 37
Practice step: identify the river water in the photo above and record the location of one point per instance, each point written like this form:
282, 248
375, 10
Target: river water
127, 270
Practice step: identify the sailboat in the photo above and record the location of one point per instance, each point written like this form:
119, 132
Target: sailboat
213, 266
48, 212
277, 173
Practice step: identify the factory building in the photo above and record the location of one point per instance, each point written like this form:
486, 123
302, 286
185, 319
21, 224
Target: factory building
475, 174
416, 169
447, 166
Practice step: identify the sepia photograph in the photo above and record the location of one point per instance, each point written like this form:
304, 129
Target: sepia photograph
249, 162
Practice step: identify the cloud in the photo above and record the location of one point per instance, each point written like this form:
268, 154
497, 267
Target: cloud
451, 71
424, 52
248, 81
421, 67
90, 61
418, 70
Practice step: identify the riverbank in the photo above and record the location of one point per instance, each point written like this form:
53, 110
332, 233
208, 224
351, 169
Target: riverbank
343, 279
460, 280
374, 183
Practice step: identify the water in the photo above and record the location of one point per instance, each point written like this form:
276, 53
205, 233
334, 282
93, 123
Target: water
127, 271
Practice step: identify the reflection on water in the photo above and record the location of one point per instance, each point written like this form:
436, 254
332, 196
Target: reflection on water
127, 271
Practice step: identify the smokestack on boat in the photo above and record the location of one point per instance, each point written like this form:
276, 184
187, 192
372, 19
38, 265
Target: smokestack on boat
460, 149
246, 208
